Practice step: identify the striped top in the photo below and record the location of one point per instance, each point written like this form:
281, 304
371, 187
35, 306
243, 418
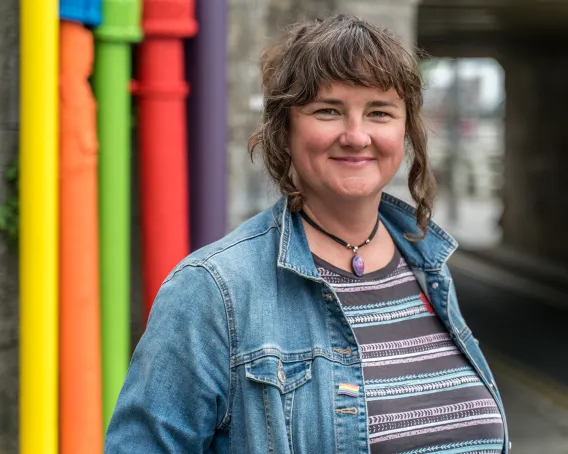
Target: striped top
422, 394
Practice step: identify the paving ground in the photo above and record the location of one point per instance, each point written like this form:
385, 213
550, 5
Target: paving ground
536, 424
522, 325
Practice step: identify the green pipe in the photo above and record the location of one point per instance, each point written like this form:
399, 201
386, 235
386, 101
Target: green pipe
111, 79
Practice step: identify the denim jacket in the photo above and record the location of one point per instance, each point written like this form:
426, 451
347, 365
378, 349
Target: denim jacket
246, 344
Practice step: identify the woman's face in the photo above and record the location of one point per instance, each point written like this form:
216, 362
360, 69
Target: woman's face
348, 142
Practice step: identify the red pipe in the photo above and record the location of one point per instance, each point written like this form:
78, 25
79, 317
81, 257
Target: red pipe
162, 91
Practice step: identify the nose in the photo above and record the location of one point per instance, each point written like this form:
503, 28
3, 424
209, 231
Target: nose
354, 137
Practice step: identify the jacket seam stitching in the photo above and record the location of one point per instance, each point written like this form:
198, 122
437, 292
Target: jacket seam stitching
275, 214
290, 422
233, 341
241, 240
240, 361
284, 236
433, 228
204, 261
267, 417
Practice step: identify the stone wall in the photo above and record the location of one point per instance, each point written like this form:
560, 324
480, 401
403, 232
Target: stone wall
9, 125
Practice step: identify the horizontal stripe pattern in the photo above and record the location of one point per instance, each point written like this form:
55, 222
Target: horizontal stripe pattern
432, 412
483, 446
388, 317
422, 394
405, 390
466, 422
412, 359
412, 420
419, 377
406, 343
377, 286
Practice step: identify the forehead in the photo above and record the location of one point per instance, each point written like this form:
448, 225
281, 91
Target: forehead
353, 92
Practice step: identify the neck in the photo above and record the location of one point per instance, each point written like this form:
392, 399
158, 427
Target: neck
352, 221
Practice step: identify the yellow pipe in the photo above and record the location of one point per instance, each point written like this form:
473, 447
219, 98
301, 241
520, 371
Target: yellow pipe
39, 226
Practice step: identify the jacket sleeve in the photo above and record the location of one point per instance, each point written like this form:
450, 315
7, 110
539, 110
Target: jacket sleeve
176, 390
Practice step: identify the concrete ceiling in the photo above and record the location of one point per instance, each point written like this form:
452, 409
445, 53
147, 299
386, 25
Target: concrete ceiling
450, 24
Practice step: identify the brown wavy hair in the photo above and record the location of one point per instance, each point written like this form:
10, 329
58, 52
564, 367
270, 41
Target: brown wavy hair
344, 49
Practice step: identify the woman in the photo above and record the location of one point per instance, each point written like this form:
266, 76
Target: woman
328, 323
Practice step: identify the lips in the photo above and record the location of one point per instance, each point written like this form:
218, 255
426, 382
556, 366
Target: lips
353, 162
353, 159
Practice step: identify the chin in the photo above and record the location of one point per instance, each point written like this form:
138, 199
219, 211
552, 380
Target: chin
359, 190
358, 194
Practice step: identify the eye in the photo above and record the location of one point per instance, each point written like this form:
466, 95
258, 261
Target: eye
326, 112
379, 114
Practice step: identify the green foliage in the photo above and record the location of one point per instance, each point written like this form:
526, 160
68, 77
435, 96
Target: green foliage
9, 209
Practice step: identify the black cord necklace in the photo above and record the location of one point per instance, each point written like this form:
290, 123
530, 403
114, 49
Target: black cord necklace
357, 263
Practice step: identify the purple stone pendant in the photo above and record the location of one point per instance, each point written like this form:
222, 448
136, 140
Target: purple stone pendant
358, 265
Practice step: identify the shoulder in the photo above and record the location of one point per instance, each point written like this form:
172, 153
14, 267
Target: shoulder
252, 230
211, 265
429, 252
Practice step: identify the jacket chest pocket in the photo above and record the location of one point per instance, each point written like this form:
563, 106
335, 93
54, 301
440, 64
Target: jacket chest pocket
286, 376
278, 382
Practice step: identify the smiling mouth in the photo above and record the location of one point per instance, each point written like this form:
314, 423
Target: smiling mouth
353, 162
354, 159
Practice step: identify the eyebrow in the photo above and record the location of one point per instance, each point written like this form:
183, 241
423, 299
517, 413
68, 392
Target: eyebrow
338, 102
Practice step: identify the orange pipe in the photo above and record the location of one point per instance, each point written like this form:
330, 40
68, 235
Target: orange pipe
81, 421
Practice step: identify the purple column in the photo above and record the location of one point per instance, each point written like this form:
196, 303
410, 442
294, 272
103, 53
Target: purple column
206, 59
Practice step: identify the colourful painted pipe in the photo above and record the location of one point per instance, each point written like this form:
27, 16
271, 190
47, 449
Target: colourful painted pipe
81, 423
121, 25
206, 63
86, 12
162, 91
39, 227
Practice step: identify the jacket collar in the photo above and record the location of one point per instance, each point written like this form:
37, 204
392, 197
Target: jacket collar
429, 254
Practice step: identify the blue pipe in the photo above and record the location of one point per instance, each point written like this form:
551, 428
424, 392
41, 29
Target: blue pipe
87, 12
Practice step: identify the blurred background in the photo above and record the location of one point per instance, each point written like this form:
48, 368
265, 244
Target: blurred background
496, 73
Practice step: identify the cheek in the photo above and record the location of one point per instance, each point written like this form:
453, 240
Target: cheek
391, 142
312, 141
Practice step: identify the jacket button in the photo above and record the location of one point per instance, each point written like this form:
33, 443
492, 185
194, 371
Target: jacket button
281, 375
435, 285
329, 296
510, 446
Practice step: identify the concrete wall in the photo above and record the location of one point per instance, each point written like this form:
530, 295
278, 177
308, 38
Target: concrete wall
398, 15
529, 40
535, 194
9, 125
